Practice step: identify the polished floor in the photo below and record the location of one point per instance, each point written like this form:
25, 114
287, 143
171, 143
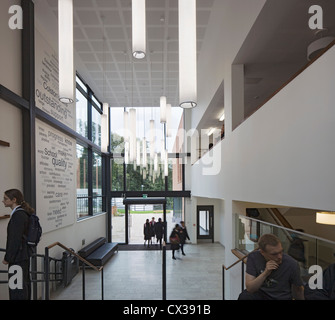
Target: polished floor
137, 275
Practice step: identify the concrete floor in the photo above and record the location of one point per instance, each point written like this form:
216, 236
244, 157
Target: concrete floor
137, 275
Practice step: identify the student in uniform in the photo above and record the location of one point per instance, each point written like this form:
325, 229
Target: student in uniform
17, 251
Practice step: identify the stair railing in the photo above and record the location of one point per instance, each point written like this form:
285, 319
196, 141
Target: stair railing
84, 262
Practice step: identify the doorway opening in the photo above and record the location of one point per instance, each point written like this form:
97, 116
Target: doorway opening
205, 222
137, 216
129, 216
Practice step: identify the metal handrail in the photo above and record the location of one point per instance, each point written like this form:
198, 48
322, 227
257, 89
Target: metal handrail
34, 273
84, 262
232, 265
236, 262
74, 254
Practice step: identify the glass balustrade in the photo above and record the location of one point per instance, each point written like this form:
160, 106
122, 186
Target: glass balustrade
307, 249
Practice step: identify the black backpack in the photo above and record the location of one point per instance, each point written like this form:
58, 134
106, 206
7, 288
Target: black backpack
34, 232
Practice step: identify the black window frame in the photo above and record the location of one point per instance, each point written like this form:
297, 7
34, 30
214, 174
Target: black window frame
91, 149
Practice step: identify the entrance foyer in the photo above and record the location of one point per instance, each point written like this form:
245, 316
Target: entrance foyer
136, 275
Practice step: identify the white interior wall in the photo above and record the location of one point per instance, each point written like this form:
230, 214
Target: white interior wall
230, 21
282, 155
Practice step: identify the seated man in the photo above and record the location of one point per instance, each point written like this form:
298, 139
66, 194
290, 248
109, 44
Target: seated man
272, 274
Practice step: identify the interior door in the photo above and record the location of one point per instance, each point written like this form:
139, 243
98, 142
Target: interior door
205, 222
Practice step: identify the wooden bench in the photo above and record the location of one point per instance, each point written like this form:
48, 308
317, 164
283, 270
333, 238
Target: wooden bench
99, 251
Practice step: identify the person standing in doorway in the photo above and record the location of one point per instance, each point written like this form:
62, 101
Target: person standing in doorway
159, 231
17, 251
147, 232
183, 236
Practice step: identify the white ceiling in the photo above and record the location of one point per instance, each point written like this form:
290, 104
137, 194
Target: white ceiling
273, 51
114, 75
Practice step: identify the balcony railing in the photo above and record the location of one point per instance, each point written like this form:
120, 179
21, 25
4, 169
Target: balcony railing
307, 249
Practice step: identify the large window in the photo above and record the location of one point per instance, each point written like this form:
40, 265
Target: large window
90, 195
149, 177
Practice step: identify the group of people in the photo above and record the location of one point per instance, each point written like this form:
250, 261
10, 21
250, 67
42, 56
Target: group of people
152, 229
178, 236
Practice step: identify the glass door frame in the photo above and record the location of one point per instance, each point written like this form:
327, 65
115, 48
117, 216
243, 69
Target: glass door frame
130, 201
139, 195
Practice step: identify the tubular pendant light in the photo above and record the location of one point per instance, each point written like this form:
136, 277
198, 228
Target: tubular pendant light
138, 153
145, 162
65, 51
187, 54
126, 125
139, 28
163, 109
126, 152
104, 128
152, 139
132, 139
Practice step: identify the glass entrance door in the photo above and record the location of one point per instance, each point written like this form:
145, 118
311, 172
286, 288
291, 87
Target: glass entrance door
205, 222
128, 219
137, 216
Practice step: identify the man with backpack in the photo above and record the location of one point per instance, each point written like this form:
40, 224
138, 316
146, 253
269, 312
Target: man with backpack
20, 228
